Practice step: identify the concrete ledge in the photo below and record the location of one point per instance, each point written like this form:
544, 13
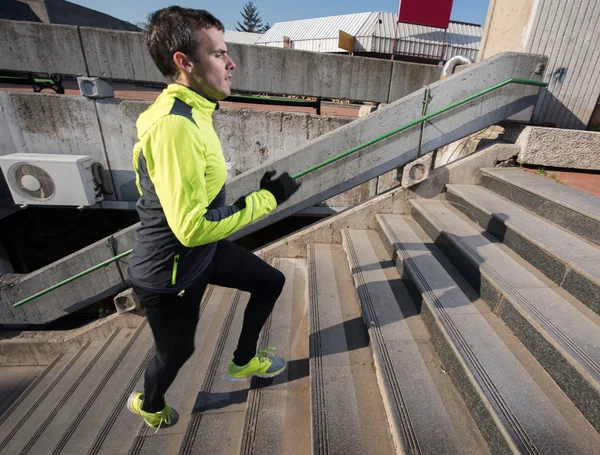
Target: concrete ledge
553, 147
39, 348
41, 48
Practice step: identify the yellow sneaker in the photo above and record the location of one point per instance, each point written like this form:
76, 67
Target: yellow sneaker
264, 365
153, 419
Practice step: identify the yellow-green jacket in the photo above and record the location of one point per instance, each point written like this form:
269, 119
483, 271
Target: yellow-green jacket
180, 174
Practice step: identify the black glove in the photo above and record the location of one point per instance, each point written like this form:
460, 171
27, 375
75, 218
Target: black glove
282, 187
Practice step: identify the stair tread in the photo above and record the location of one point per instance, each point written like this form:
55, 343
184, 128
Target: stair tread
560, 319
33, 404
218, 414
547, 235
348, 411
585, 203
14, 380
521, 405
278, 410
423, 406
182, 393
89, 421
44, 427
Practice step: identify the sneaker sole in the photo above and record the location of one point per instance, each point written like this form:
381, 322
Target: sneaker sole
130, 401
245, 378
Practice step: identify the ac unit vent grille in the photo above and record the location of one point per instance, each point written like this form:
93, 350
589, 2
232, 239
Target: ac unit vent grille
31, 182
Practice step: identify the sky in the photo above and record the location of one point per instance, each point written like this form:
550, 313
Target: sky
271, 11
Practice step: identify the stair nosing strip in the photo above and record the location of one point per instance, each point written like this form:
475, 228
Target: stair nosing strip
390, 376
140, 437
44, 395
320, 440
103, 382
30, 389
461, 341
549, 326
58, 406
190, 435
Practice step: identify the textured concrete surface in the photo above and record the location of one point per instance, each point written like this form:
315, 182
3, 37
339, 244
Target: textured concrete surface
566, 259
468, 145
550, 325
123, 55
577, 211
467, 342
416, 405
43, 123
553, 147
348, 410
464, 170
41, 48
417, 171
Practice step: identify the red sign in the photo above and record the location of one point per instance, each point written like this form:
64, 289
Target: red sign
433, 13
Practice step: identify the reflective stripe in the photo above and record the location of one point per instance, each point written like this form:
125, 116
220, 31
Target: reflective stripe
175, 265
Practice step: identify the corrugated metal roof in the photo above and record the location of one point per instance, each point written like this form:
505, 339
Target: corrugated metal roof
375, 32
317, 28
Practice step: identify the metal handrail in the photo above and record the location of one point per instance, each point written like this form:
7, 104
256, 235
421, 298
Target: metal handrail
333, 159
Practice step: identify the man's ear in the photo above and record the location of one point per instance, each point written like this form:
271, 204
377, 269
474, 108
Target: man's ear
183, 62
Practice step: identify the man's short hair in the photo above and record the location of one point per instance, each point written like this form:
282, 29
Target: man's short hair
173, 29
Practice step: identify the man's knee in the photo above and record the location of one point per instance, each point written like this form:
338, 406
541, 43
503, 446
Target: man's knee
278, 281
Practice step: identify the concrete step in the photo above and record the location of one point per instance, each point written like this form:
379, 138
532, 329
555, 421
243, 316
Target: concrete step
570, 208
137, 438
43, 392
218, 413
277, 419
517, 406
570, 261
348, 413
560, 332
425, 412
108, 394
19, 381
38, 431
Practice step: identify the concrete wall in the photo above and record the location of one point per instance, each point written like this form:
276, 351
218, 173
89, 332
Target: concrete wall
567, 32
105, 130
506, 26
123, 56
317, 186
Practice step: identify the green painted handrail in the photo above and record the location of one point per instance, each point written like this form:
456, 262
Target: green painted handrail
333, 159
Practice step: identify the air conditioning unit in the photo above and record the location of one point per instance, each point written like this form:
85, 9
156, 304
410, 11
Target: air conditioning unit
39, 179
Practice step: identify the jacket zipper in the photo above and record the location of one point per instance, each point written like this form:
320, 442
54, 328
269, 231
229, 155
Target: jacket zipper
174, 274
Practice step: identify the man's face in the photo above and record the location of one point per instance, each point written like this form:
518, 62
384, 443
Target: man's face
211, 75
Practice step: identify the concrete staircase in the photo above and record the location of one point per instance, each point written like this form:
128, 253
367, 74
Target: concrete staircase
468, 324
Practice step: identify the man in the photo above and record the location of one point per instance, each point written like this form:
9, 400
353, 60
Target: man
180, 174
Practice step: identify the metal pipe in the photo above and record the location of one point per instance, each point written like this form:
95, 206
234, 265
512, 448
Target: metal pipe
451, 65
421, 119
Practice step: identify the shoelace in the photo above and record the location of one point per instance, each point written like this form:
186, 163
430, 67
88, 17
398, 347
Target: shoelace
166, 416
264, 354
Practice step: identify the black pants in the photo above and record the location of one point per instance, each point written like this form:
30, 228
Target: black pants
173, 319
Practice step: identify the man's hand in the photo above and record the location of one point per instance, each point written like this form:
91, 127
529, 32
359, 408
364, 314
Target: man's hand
282, 187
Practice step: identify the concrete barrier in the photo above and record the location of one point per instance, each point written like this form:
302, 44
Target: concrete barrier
123, 55
551, 147
44, 123
43, 48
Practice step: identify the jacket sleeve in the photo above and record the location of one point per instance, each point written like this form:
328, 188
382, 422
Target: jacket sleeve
176, 166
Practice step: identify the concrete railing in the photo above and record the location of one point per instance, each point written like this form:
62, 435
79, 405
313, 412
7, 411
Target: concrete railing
119, 55
513, 102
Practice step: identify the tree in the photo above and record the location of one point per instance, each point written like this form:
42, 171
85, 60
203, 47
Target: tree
252, 21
